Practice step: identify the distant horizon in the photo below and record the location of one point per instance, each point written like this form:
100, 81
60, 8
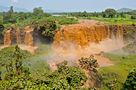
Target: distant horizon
19, 9
70, 5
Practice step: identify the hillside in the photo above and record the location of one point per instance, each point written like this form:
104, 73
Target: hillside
124, 10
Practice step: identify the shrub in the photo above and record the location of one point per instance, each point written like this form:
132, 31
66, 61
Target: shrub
133, 17
130, 83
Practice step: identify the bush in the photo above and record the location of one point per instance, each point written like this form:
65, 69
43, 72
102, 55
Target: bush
7, 55
133, 17
19, 77
130, 83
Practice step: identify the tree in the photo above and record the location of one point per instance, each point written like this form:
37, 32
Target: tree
47, 29
68, 77
122, 15
11, 10
88, 63
130, 83
1, 29
14, 67
18, 60
110, 13
133, 12
84, 14
9, 16
20, 78
104, 14
1, 19
38, 11
17, 76
90, 66
133, 17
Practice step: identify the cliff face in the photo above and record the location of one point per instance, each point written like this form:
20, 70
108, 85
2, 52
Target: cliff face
83, 35
16, 36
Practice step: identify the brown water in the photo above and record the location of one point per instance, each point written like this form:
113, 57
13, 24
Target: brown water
72, 42
24, 39
87, 38
85, 33
28, 38
13, 36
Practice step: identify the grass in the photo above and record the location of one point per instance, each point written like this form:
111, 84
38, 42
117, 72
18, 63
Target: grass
112, 21
61, 20
115, 76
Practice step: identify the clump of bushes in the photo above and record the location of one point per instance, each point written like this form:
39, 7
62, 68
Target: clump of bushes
18, 76
133, 17
130, 83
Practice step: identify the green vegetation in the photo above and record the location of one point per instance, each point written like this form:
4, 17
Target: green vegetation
18, 76
109, 16
46, 23
90, 65
6, 55
133, 17
1, 19
21, 70
38, 12
115, 76
130, 83
28, 18
109, 13
115, 21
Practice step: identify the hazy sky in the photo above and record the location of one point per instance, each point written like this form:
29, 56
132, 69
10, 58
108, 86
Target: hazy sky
70, 5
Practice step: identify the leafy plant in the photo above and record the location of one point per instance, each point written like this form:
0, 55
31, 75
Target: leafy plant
130, 83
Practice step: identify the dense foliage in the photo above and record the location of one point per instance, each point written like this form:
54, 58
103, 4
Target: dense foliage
109, 16
113, 77
38, 12
18, 76
44, 22
6, 55
109, 13
130, 83
90, 66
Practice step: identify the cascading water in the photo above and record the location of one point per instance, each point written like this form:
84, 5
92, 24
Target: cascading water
28, 38
13, 36
7, 38
85, 34
23, 38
